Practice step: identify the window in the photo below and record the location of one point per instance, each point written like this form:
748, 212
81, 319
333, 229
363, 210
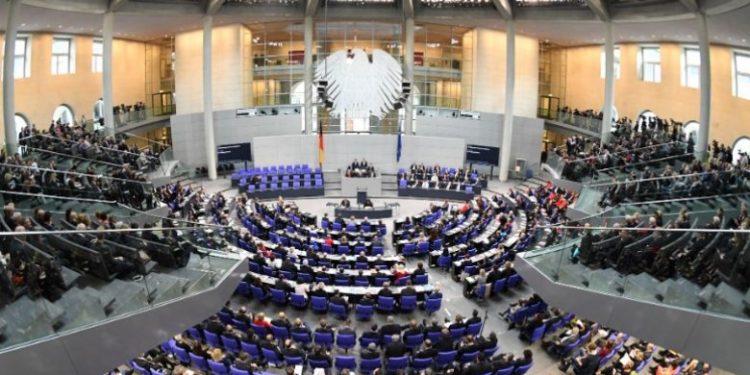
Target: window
741, 146
97, 56
691, 67
742, 75
22, 61
21, 123
617, 63
650, 64
64, 114
62, 56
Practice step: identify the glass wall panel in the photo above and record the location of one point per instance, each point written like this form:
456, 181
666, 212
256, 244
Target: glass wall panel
278, 54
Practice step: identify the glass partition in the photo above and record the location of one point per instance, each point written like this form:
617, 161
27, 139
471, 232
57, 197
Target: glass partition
278, 53
686, 266
57, 280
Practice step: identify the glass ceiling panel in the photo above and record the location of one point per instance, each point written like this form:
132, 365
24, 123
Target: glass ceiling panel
455, 3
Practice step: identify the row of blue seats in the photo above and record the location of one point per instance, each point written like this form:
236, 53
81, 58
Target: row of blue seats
340, 361
285, 186
281, 169
352, 227
321, 304
338, 279
285, 178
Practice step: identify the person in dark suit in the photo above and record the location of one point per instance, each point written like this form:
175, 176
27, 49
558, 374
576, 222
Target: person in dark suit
426, 350
413, 329
385, 291
339, 300
281, 321
214, 325
390, 328
291, 350
474, 318
445, 343
373, 334
370, 352
396, 348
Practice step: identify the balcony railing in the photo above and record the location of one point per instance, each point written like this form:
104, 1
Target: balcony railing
87, 296
584, 122
620, 278
132, 117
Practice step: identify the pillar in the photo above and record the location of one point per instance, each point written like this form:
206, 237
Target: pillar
409, 74
107, 100
510, 83
208, 103
309, 30
609, 82
9, 105
701, 144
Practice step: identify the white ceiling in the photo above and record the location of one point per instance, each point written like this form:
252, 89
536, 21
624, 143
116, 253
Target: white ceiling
730, 28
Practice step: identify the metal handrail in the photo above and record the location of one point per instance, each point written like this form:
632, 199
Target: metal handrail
627, 151
73, 156
146, 139
692, 199
644, 162
72, 141
671, 177
56, 197
74, 173
646, 229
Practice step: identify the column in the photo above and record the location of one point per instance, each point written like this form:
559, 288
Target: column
609, 82
409, 74
108, 102
309, 30
9, 104
510, 83
208, 103
701, 144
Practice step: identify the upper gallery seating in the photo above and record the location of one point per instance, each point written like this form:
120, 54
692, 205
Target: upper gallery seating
629, 147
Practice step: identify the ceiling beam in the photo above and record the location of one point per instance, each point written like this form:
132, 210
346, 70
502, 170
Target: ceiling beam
503, 6
408, 8
312, 7
599, 7
213, 6
115, 5
691, 5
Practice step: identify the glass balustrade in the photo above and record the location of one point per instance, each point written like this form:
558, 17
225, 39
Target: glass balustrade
57, 281
690, 268
136, 116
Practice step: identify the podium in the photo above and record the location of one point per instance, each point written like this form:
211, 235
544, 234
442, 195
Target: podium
350, 186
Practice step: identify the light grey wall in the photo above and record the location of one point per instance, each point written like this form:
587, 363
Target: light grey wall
277, 140
188, 135
487, 131
98, 349
341, 150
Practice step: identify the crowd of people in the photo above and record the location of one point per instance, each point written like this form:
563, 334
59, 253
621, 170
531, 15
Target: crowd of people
265, 341
360, 168
437, 177
630, 145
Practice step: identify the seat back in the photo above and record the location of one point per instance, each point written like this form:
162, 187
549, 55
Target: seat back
396, 363
421, 363
385, 303
474, 328
520, 370
444, 358
345, 361
408, 303
198, 362
364, 312
346, 340
212, 339
271, 356
217, 367
319, 304
324, 338
369, 365
432, 304
235, 371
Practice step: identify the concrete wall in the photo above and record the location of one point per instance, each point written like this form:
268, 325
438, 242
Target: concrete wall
227, 69
341, 150
188, 138
440, 140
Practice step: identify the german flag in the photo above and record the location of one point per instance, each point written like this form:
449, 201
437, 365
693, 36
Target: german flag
321, 148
